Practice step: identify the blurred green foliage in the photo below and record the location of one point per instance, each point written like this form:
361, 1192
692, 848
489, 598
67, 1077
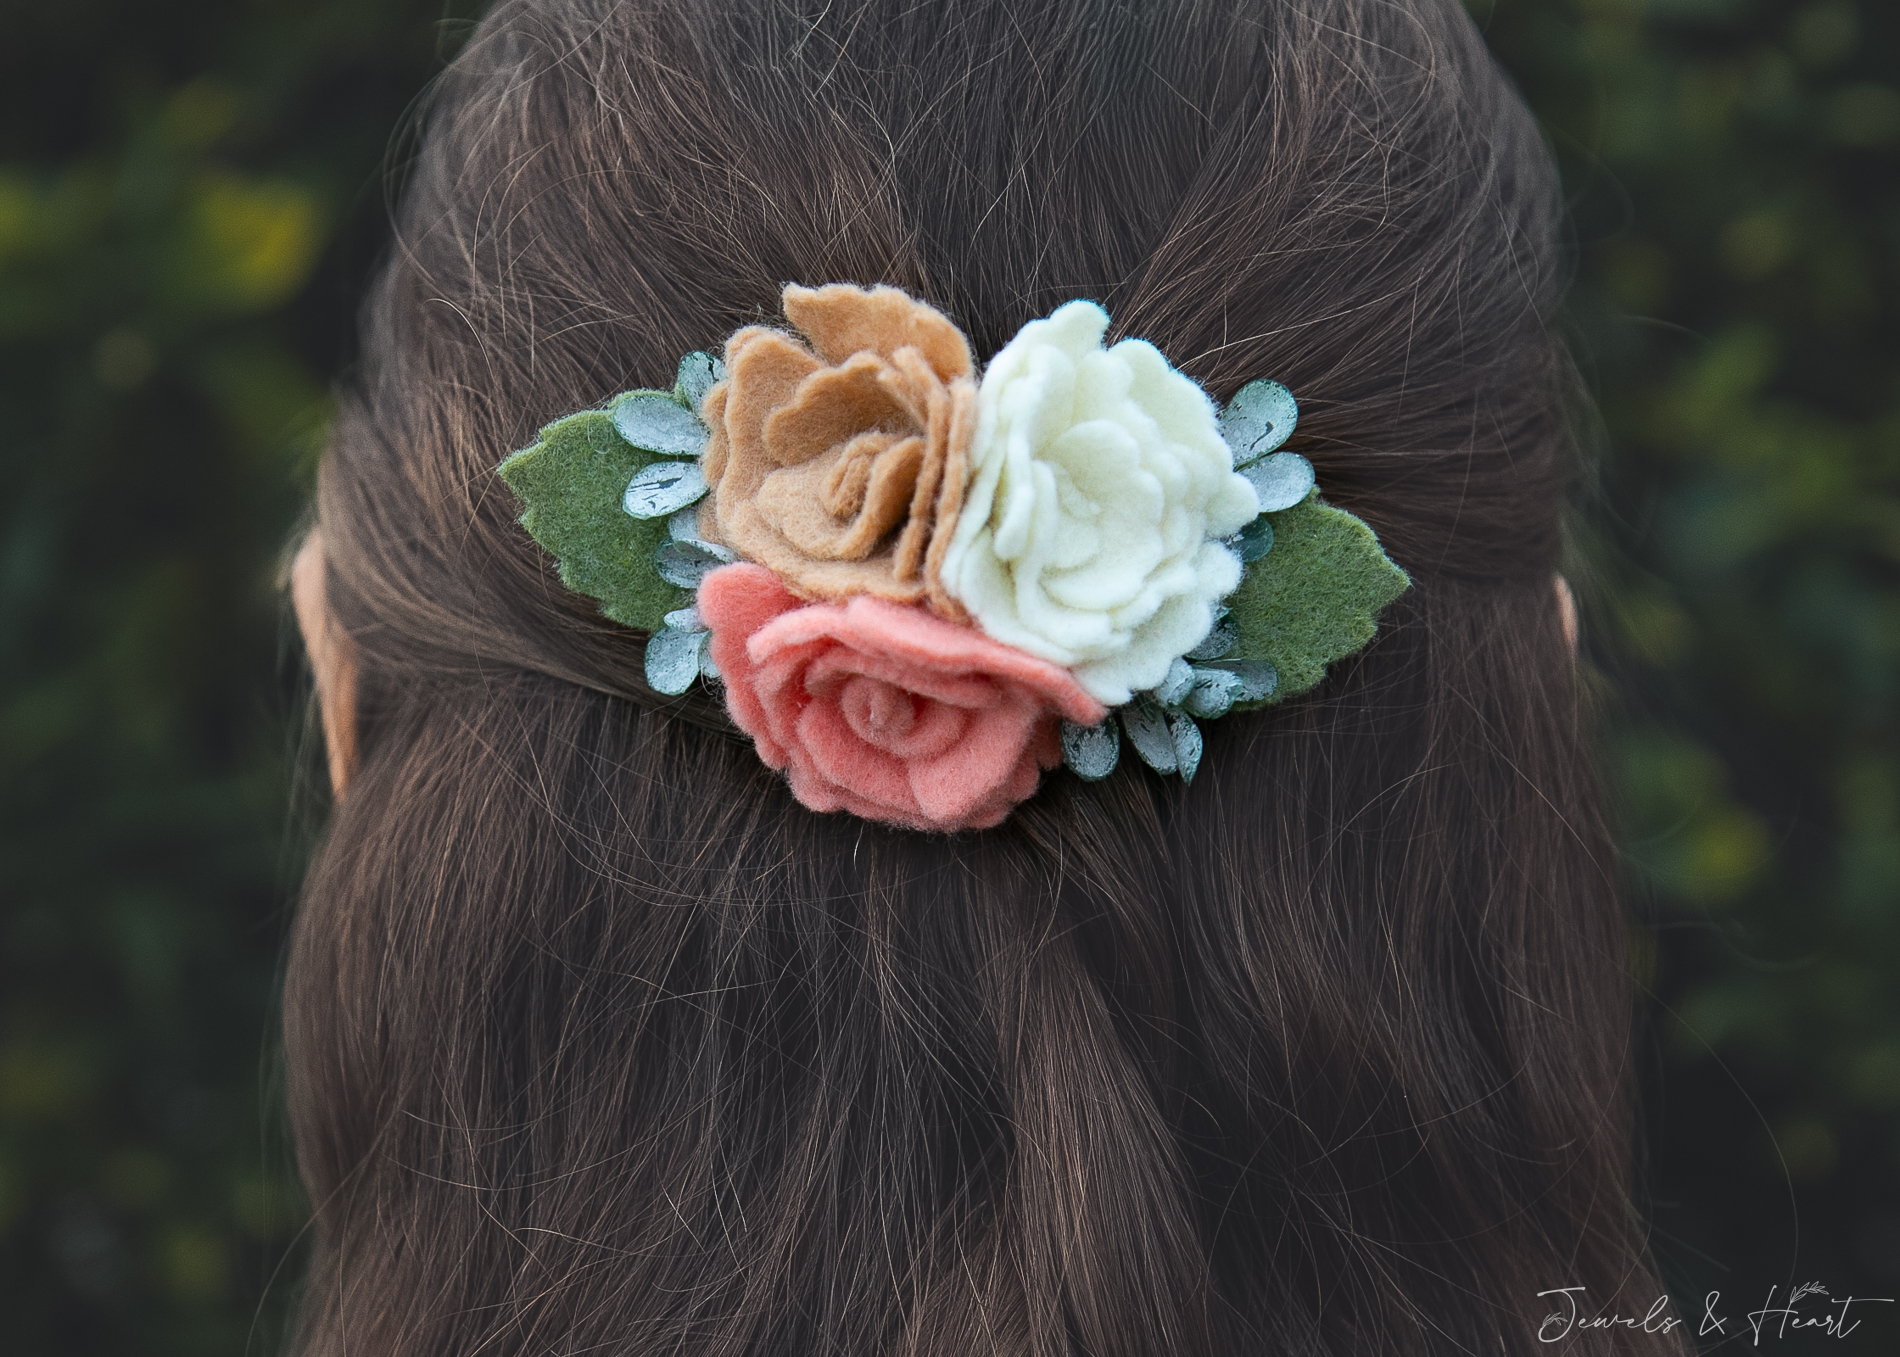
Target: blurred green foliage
1735, 177
190, 200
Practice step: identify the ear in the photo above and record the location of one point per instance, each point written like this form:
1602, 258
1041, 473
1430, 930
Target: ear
1566, 610
332, 655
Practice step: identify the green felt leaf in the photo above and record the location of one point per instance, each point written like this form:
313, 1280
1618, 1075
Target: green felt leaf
571, 483
1315, 598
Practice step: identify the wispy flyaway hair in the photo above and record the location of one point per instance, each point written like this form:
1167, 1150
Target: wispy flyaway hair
599, 1043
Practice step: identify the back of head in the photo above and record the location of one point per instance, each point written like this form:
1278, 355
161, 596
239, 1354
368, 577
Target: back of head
599, 1042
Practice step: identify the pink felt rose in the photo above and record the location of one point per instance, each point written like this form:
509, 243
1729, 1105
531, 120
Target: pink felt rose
883, 709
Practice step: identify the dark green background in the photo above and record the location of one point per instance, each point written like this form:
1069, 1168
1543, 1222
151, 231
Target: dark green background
190, 198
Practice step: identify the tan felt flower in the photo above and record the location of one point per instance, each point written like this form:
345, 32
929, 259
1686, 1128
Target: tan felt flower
840, 466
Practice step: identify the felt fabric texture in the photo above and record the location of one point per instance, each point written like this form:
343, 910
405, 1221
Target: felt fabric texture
571, 483
840, 463
1099, 483
885, 709
1316, 597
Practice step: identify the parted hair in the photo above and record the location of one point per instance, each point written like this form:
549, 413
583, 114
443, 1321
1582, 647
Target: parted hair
598, 1042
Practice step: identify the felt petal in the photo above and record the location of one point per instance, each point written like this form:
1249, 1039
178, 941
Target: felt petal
829, 407
765, 368
1182, 411
1172, 630
842, 320
1045, 744
843, 487
948, 788
1233, 505
932, 407
1076, 326
875, 625
899, 722
953, 481
1020, 786
912, 384
793, 499
778, 682
832, 749
737, 600
878, 713
831, 671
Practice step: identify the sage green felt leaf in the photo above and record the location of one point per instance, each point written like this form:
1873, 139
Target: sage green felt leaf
1213, 694
1175, 686
1315, 598
1281, 480
1256, 539
1258, 419
673, 660
660, 489
1188, 744
687, 563
1258, 679
571, 483
698, 374
1092, 751
1218, 643
656, 421
1147, 727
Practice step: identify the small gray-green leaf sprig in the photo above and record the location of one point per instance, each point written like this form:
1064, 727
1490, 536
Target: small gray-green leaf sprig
669, 423
1161, 724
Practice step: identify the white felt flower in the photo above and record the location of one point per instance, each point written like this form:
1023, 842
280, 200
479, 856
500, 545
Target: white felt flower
1098, 483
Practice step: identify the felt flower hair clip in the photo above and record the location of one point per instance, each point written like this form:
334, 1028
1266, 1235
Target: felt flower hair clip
921, 585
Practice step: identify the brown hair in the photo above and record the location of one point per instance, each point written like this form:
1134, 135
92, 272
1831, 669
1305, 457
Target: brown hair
598, 1042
